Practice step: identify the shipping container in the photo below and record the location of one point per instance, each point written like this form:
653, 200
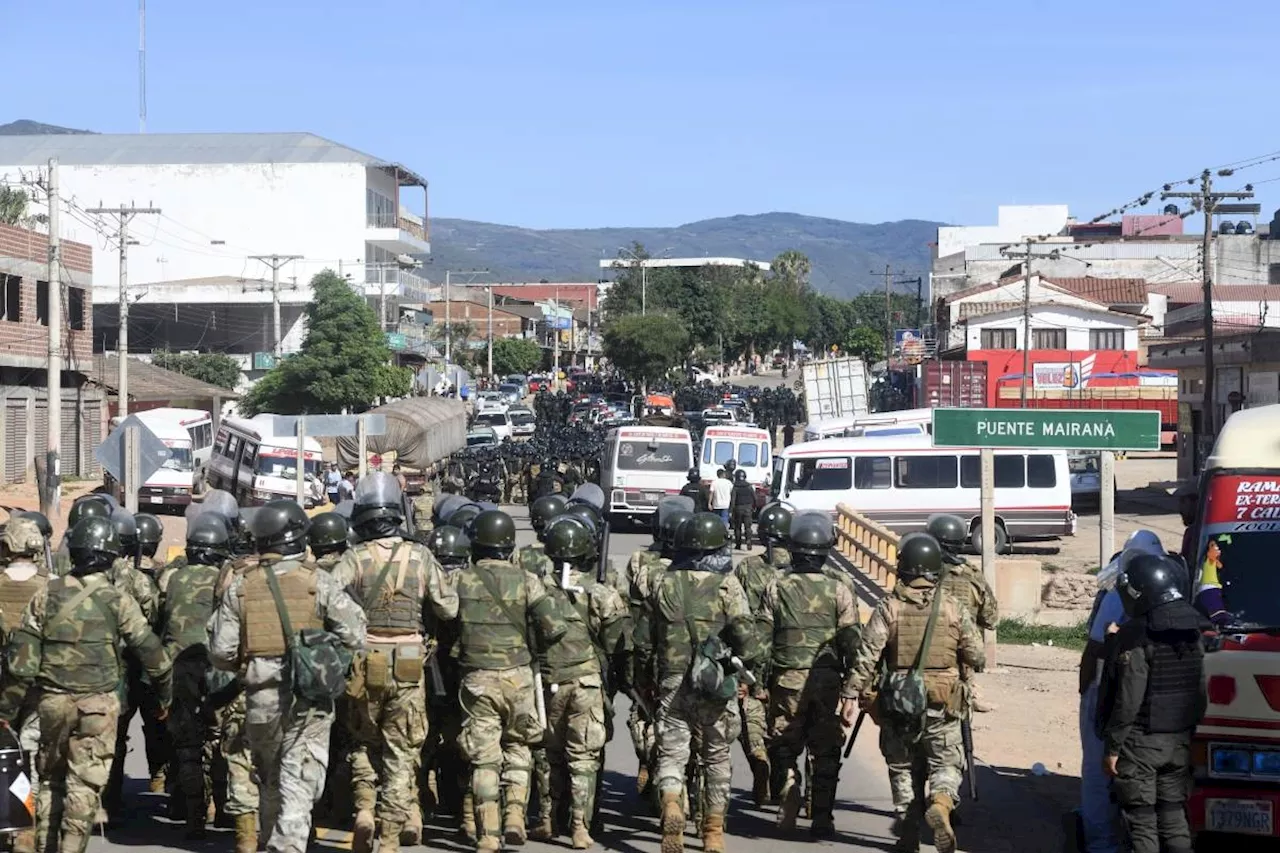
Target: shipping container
834, 388
952, 385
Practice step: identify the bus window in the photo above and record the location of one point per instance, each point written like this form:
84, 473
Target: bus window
747, 455
250, 451
1010, 471
873, 472
1040, 472
925, 472
723, 452
819, 475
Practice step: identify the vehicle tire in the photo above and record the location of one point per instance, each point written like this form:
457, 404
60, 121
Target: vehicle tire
1002, 538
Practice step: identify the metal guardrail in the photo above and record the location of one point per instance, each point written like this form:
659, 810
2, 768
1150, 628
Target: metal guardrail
869, 547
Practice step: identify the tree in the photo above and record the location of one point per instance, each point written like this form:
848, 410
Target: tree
344, 362
13, 205
515, 355
212, 367
644, 348
865, 343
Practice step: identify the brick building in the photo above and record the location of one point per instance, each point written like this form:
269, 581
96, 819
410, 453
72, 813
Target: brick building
24, 346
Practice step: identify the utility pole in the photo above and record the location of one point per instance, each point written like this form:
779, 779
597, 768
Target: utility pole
888, 306
489, 289
1026, 328
52, 494
1207, 200
124, 215
555, 330
448, 322
276, 262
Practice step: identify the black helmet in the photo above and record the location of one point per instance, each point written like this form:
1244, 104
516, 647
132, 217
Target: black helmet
87, 508
208, 540
328, 533
740, 476
671, 525
544, 509
704, 532
150, 532
1147, 581
919, 556
449, 544
41, 520
126, 529
694, 475
950, 530
93, 543
280, 527
377, 496
569, 541
463, 515
586, 512
774, 524
492, 532
730, 466
812, 533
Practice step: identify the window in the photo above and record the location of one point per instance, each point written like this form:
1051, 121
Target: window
1273, 274
723, 452
12, 298
999, 338
747, 455
830, 474
75, 307
665, 456
42, 303
873, 472
1040, 472
1049, 338
925, 472
1112, 339
1010, 471
220, 446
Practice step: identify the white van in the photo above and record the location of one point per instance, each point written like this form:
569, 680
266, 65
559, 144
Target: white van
641, 466
256, 466
188, 433
900, 480
749, 447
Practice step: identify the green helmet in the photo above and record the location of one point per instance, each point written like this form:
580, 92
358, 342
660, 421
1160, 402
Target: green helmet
812, 533
544, 509
280, 527
449, 544
328, 533
704, 532
87, 508
569, 541
463, 516
586, 512
492, 531
208, 540
774, 524
41, 521
919, 556
949, 530
93, 543
671, 526
150, 532
126, 529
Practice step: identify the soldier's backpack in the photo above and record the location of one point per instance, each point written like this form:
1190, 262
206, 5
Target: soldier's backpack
316, 661
711, 675
904, 699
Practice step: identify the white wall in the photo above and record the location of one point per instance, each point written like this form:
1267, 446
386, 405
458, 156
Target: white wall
1013, 222
1078, 324
311, 209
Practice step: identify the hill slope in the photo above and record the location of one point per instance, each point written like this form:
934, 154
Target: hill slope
843, 254
27, 127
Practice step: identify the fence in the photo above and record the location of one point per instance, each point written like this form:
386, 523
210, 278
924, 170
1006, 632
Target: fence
869, 548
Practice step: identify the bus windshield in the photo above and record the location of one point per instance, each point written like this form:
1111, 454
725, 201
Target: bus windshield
666, 457
180, 459
285, 467
1241, 534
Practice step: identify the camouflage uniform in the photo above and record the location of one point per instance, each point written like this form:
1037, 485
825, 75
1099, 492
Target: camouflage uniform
288, 736
500, 718
646, 565
966, 584
327, 562
395, 581
534, 560
809, 620
893, 637
755, 575
424, 507
69, 644
241, 792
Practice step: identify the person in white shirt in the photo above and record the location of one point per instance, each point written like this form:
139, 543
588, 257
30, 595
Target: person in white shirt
721, 494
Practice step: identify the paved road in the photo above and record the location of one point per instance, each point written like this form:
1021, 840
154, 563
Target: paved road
1006, 820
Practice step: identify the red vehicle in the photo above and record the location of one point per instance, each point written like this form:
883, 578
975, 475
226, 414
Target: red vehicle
537, 383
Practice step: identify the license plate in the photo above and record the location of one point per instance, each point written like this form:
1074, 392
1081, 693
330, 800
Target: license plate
156, 499
654, 497
1243, 817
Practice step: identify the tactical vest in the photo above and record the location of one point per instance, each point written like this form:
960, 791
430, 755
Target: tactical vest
675, 646
188, 608
959, 584
755, 574
395, 608
904, 645
80, 651
260, 631
15, 596
487, 638
1172, 702
575, 654
534, 559
805, 626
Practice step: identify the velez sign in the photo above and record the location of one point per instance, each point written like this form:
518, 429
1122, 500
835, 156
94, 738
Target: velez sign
1074, 429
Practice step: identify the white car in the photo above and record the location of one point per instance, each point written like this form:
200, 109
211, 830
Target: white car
523, 421
700, 376
490, 401
498, 421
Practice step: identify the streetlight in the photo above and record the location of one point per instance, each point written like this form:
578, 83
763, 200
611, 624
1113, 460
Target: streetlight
644, 278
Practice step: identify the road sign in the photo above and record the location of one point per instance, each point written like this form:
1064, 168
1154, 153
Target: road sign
1075, 429
329, 426
152, 453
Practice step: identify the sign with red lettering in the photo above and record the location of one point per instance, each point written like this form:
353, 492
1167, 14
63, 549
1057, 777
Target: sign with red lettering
1242, 503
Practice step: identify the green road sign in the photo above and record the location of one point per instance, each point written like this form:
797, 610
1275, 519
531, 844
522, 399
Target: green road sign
1075, 429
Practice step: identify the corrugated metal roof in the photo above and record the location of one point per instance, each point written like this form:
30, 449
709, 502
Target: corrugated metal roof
1191, 293
149, 384
146, 149
1109, 291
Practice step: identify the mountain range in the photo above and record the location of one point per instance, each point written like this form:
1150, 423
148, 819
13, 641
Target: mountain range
846, 257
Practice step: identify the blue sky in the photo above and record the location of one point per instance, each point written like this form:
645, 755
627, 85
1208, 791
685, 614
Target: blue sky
580, 113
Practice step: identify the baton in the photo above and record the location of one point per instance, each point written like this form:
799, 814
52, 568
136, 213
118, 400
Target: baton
848, 747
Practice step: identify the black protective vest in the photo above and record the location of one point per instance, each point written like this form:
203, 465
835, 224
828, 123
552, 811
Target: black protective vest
1173, 702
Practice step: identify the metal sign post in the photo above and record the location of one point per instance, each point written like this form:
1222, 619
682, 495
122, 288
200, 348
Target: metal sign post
302, 467
362, 446
987, 504
132, 467
1107, 507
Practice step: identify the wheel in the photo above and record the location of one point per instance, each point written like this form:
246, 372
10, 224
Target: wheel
1002, 538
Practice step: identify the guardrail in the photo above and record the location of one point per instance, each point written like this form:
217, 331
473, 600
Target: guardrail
869, 547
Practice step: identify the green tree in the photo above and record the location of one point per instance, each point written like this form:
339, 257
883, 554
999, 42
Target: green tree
515, 355
13, 205
865, 343
344, 362
213, 367
644, 348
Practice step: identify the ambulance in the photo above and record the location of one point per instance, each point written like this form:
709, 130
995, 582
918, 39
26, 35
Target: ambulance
641, 465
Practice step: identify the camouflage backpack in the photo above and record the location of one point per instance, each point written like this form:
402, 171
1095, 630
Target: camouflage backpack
317, 661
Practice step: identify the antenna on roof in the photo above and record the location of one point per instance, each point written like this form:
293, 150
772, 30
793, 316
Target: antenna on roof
142, 66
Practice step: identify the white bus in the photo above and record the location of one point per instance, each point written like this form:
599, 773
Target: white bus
749, 447
900, 480
188, 434
641, 465
257, 466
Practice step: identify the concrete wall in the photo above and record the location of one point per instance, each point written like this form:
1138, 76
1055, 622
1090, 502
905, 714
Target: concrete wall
1013, 223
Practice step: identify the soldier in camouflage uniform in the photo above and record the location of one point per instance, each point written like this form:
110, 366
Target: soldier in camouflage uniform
967, 585
424, 506
327, 540
399, 584
184, 617
932, 744
697, 604
68, 646
442, 761
289, 735
809, 620
150, 534
599, 626
756, 573
497, 601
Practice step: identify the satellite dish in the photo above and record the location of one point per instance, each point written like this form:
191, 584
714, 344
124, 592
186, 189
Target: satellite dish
1171, 210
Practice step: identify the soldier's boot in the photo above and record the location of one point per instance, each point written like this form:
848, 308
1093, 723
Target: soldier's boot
362, 833
789, 803
24, 841
672, 823
411, 832
488, 818
197, 813
760, 778
939, 819
777, 780
157, 785
389, 837
713, 832
468, 824
642, 778
824, 824
582, 839
247, 833
543, 830
514, 818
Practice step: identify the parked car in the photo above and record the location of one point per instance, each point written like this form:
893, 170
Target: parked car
482, 436
511, 392
518, 379
699, 376
523, 421
537, 382
491, 401
498, 421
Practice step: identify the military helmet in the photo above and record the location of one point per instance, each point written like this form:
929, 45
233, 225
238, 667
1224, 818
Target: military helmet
208, 539
39, 519
569, 541
22, 537
730, 466
949, 530
93, 542
446, 506
671, 525
812, 532
774, 524
462, 516
328, 532
87, 508
740, 476
449, 544
544, 509
126, 528
919, 556
280, 527
492, 530
704, 532
1147, 581
150, 531
586, 512
694, 475
377, 495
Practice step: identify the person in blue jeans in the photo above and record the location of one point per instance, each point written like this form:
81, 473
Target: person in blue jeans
722, 495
